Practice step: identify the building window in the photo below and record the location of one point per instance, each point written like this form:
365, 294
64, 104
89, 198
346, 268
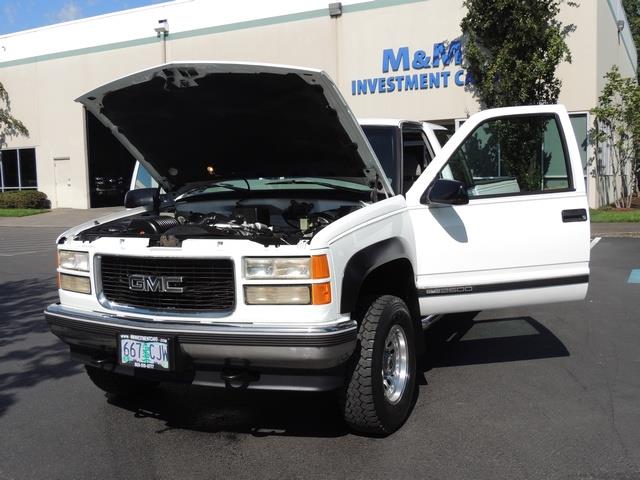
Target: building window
18, 169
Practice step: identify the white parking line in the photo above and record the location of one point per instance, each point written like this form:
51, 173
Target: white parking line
595, 241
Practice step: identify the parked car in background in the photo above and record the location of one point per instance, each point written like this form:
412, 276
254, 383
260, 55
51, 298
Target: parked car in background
109, 186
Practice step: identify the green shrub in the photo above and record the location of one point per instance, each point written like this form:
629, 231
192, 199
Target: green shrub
24, 199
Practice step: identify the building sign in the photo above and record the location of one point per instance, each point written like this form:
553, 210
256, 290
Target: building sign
406, 70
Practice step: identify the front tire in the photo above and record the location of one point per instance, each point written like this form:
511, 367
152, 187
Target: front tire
381, 385
117, 384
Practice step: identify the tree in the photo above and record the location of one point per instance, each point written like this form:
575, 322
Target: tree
9, 125
632, 8
512, 50
616, 132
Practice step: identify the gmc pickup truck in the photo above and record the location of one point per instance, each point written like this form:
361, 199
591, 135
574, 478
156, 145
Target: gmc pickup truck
280, 256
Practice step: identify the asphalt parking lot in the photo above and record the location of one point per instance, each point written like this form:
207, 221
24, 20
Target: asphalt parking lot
546, 392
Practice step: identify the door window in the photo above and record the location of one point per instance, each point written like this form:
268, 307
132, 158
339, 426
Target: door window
512, 155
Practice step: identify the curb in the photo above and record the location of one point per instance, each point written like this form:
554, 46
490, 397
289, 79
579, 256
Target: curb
616, 234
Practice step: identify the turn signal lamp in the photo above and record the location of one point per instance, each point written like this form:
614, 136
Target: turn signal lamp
319, 267
321, 293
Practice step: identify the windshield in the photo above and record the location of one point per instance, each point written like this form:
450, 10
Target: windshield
270, 185
143, 179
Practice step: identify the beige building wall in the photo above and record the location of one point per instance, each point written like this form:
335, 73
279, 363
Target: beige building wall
579, 78
42, 96
348, 48
613, 47
306, 43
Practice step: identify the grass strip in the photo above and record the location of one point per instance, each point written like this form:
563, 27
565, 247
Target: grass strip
20, 212
610, 215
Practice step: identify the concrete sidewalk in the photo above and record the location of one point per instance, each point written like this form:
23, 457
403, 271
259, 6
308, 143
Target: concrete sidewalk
623, 229
59, 217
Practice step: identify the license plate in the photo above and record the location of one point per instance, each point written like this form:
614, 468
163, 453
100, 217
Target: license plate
143, 351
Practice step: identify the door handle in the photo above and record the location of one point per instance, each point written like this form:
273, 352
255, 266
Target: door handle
577, 215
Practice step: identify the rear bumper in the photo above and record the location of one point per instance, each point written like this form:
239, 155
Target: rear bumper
299, 350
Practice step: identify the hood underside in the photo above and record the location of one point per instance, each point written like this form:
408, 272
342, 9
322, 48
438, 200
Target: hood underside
194, 122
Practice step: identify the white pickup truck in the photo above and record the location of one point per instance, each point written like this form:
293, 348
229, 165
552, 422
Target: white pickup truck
280, 256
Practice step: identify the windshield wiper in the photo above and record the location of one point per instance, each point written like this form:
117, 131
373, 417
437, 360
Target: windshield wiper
293, 181
200, 189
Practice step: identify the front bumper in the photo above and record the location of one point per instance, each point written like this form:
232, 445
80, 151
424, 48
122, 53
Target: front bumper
298, 350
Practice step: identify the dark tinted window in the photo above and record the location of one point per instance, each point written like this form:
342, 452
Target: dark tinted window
415, 157
18, 169
28, 177
10, 168
443, 136
383, 142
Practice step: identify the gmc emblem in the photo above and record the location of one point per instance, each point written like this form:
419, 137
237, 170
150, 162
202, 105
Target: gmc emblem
152, 283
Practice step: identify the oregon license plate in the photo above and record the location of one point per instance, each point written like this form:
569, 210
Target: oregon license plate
143, 351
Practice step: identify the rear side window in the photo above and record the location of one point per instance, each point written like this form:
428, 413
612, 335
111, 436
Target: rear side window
513, 155
415, 157
383, 142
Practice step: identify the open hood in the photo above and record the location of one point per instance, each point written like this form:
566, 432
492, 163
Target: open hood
198, 121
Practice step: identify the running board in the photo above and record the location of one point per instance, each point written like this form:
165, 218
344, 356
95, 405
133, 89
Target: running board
430, 320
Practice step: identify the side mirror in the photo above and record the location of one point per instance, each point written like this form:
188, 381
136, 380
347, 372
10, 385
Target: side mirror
447, 192
142, 197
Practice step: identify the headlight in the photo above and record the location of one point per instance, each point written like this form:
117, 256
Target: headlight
73, 260
277, 268
286, 268
74, 283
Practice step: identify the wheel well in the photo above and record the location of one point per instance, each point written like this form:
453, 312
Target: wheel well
392, 278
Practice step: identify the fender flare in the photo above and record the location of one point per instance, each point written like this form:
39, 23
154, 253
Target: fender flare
362, 263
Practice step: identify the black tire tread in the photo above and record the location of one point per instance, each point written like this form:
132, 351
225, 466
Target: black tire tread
359, 407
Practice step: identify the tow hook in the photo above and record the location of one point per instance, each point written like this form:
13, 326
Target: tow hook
103, 362
236, 376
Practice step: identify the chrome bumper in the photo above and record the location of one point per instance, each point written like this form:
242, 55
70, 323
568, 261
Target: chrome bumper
295, 347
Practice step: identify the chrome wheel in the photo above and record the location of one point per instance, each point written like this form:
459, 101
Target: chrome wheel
395, 364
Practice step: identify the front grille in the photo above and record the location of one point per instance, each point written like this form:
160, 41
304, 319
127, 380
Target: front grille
208, 284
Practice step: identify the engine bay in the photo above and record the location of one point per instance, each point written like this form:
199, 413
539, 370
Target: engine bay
270, 222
